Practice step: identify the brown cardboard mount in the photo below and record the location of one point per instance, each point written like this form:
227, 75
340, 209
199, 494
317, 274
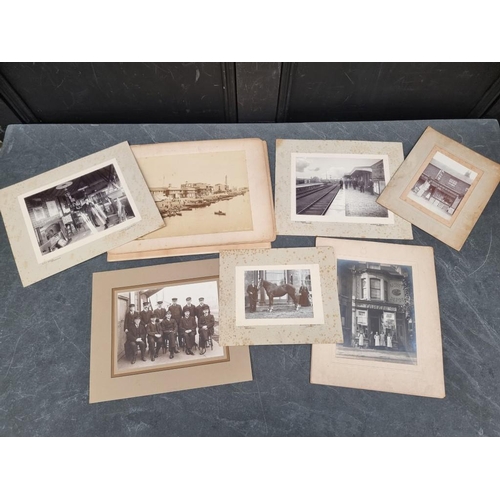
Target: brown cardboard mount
426, 377
31, 264
288, 223
244, 158
452, 229
314, 324
235, 367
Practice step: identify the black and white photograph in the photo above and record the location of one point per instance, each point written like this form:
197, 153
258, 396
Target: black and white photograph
377, 310
339, 188
164, 327
442, 186
77, 211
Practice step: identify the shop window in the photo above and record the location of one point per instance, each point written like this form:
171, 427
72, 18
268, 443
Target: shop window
363, 288
375, 289
452, 182
386, 291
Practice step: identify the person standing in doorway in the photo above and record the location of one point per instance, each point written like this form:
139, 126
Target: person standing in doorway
377, 340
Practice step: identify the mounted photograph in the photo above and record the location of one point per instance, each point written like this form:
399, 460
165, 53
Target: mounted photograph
164, 326
156, 329
339, 188
74, 212
279, 296
442, 187
391, 330
212, 195
330, 188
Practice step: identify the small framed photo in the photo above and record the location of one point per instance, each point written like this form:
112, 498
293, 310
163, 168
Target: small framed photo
77, 211
442, 187
212, 195
330, 188
390, 321
164, 334
279, 296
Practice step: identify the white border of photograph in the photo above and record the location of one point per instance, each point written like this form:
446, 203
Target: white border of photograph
20, 233
89, 239
400, 229
336, 218
426, 377
318, 316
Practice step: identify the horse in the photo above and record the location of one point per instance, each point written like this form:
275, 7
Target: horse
273, 290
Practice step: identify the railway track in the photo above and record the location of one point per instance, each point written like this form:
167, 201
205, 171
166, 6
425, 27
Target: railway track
317, 202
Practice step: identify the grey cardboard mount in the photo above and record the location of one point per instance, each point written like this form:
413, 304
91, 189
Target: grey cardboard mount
44, 368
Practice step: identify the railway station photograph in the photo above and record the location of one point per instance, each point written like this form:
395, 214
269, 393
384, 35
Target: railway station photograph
339, 187
377, 312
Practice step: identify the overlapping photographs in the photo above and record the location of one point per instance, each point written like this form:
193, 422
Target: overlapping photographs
161, 327
328, 187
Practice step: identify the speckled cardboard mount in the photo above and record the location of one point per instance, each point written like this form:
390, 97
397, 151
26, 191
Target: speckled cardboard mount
400, 230
456, 234
426, 378
29, 269
233, 335
103, 387
261, 199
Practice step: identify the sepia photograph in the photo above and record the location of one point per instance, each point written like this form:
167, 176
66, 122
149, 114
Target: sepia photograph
377, 310
162, 327
77, 211
199, 193
339, 188
442, 185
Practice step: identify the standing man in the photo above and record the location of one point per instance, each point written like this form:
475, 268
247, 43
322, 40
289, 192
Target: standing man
205, 328
252, 296
189, 307
160, 312
176, 311
154, 338
136, 334
146, 313
169, 330
129, 317
187, 327
200, 307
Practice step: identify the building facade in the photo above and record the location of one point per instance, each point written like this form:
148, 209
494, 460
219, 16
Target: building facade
371, 178
376, 298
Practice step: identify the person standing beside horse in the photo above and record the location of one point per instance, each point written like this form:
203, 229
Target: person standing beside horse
304, 296
252, 296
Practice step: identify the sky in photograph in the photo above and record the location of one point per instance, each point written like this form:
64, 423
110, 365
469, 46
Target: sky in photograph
211, 168
329, 166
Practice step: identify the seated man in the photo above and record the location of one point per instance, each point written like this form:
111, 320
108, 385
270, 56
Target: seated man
187, 327
205, 329
136, 335
169, 330
154, 337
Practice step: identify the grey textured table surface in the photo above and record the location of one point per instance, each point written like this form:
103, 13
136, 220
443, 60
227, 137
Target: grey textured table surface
44, 369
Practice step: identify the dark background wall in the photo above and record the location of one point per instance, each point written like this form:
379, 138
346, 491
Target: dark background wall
245, 92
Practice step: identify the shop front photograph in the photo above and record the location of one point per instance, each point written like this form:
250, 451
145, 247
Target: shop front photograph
377, 311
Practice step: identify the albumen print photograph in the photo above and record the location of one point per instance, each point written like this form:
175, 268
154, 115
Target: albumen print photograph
442, 186
339, 188
163, 327
377, 311
77, 211
199, 193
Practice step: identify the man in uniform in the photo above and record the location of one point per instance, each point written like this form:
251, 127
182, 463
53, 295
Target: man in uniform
136, 335
160, 312
154, 337
146, 313
189, 307
129, 317
205, 328
200, 307
169, 330
176, 311
187, 327
252, 296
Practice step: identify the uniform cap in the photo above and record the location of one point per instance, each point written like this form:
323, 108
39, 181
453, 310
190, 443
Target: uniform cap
174, 298
145, 303
131, 305
160, 302
201, 298
188, 298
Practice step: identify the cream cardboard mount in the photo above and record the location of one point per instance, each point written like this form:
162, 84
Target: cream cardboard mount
213, 196
279, 296
77, 211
